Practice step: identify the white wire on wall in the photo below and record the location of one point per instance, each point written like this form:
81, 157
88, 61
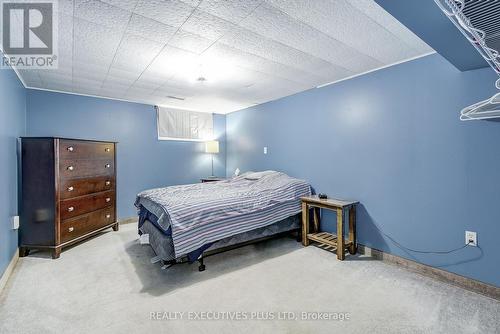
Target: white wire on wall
489, 108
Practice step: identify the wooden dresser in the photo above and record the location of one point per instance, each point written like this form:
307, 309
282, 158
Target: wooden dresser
68, 192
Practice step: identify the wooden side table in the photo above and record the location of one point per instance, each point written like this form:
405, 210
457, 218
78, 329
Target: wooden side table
328, 240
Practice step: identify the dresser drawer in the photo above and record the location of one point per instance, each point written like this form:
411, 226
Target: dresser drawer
79, 205
74, 149
78, 187
70, 169
76, 227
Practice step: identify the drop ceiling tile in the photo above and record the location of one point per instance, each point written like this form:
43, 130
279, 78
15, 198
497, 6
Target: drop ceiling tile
88, 73
150, 29
273, 23
122, 82
65, 7
171, 61
65, 32
91, 76
253, 43
136, 53
115, 86
260, 64
128, 5
171, 12
211, 103
97, 68
93, 59
102, 13
229, 10
55, 77
95, 44
86, 82
267, 89
30, 78
207, 25
352, 27
123, 74
139, 91
192, 3
190, 42
169, 89
376, 13
152, 78
63, 65
88, 90
145, 84
111, 92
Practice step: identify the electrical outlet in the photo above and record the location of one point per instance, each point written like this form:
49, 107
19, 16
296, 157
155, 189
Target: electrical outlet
15, 222
471, 238
265, 149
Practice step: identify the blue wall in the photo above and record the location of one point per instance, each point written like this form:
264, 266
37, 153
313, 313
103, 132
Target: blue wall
12, 125
393, 140
143, 162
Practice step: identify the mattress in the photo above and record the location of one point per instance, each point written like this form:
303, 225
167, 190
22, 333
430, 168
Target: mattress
196, 215
163, 247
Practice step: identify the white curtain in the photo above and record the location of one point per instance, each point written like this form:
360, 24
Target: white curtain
177, 124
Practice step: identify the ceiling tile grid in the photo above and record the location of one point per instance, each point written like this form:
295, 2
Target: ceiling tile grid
246, 52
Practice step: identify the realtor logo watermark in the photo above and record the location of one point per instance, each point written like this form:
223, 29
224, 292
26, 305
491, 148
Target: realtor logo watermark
29, 34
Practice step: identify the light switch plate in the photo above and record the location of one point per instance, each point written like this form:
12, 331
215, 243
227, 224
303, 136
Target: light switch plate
15, 222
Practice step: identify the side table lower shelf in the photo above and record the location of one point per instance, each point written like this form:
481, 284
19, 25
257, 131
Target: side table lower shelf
328, 241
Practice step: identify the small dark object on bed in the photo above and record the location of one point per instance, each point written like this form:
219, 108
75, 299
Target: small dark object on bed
322, 196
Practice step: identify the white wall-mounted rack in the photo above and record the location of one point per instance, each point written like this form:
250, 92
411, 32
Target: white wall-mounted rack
486, 15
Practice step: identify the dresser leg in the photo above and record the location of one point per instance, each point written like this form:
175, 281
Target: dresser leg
56, 252
23, 251
116, 227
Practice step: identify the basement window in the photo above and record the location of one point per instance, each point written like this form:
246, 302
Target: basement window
185, 125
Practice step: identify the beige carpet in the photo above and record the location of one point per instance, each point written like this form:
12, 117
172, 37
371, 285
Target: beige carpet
108, 285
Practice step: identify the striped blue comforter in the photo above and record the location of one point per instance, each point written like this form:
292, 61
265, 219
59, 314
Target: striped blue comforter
198, 214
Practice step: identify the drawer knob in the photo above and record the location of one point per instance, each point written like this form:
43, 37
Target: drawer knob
71, 209
107, 165
70, 168
108, 216
108, 183
71, 149
108, 199
107, 149
71, 229
71, 188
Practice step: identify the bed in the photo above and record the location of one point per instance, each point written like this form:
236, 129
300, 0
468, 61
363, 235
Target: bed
184, 222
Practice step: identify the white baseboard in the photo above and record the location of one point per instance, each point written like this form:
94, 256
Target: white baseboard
9, 270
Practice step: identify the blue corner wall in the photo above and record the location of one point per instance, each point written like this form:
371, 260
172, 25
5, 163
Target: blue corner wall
393, 140
143, 162
12, 126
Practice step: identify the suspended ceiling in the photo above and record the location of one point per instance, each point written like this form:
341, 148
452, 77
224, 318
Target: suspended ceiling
248, 52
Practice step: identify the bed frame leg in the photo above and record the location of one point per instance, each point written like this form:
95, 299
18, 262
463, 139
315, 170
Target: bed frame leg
299, 235
201, 267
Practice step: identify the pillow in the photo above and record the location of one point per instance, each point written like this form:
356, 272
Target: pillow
257, 175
